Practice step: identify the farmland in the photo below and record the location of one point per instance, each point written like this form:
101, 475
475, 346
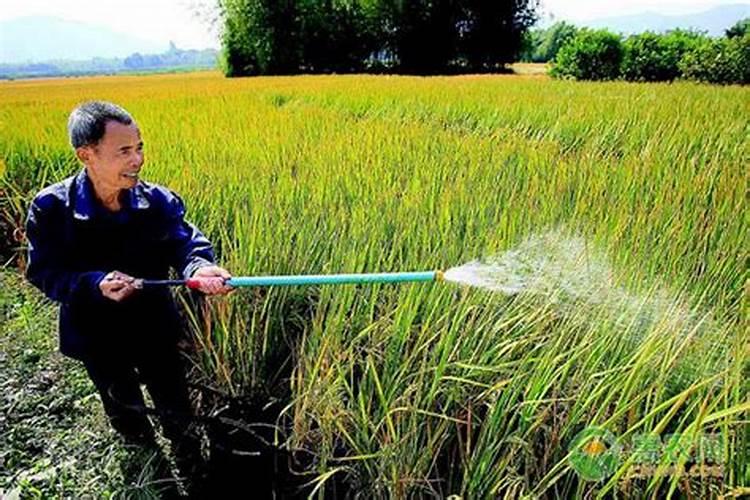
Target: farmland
440, 389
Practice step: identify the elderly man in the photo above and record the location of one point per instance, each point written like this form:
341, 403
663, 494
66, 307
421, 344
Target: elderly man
90, 237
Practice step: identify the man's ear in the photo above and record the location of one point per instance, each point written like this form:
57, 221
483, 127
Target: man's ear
85, 154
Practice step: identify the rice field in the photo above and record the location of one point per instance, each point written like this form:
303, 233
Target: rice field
605, 224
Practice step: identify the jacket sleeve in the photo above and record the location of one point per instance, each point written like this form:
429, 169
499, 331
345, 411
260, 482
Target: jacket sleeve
46, 267
189, 248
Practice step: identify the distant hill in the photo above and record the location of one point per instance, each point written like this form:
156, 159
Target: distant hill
43, 38
171, 60
714, 21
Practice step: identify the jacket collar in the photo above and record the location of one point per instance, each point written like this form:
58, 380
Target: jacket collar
85, 202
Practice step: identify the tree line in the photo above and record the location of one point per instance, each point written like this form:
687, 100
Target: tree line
587, 54
264, 37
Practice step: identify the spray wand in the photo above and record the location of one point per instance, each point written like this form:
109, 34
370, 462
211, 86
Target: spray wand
305, 279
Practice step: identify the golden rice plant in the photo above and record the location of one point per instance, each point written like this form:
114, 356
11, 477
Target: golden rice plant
418, 390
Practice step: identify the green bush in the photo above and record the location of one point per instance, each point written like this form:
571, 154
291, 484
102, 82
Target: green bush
652, 57
722, 60
740, 29
590, 55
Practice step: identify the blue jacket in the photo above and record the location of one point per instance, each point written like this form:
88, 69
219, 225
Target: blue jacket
74, 242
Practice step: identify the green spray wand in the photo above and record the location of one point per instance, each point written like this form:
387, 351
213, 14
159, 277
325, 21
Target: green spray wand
305, 279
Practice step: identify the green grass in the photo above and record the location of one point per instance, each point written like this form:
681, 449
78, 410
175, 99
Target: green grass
420, 390
57, 442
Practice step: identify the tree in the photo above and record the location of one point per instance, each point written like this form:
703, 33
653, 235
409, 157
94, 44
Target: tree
425, 35
651, 57
336, 36
722, 60
740, 29
412, 36
590, 55
434, 36
259, 37
491, 32
532, 39
546, 43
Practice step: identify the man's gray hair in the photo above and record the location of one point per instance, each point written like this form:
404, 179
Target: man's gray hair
88, 121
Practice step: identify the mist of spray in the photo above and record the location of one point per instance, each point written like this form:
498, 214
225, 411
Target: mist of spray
567, 272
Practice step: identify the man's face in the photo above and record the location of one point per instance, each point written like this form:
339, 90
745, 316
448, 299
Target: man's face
118, 157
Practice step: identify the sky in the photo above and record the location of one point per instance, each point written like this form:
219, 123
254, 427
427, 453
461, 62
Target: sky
186, 21
182, 21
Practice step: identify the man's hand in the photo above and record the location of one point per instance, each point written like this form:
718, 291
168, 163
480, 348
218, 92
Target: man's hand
117, 286
212, 280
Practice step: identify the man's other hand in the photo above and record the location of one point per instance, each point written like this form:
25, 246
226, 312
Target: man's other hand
212, 280
117, 286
